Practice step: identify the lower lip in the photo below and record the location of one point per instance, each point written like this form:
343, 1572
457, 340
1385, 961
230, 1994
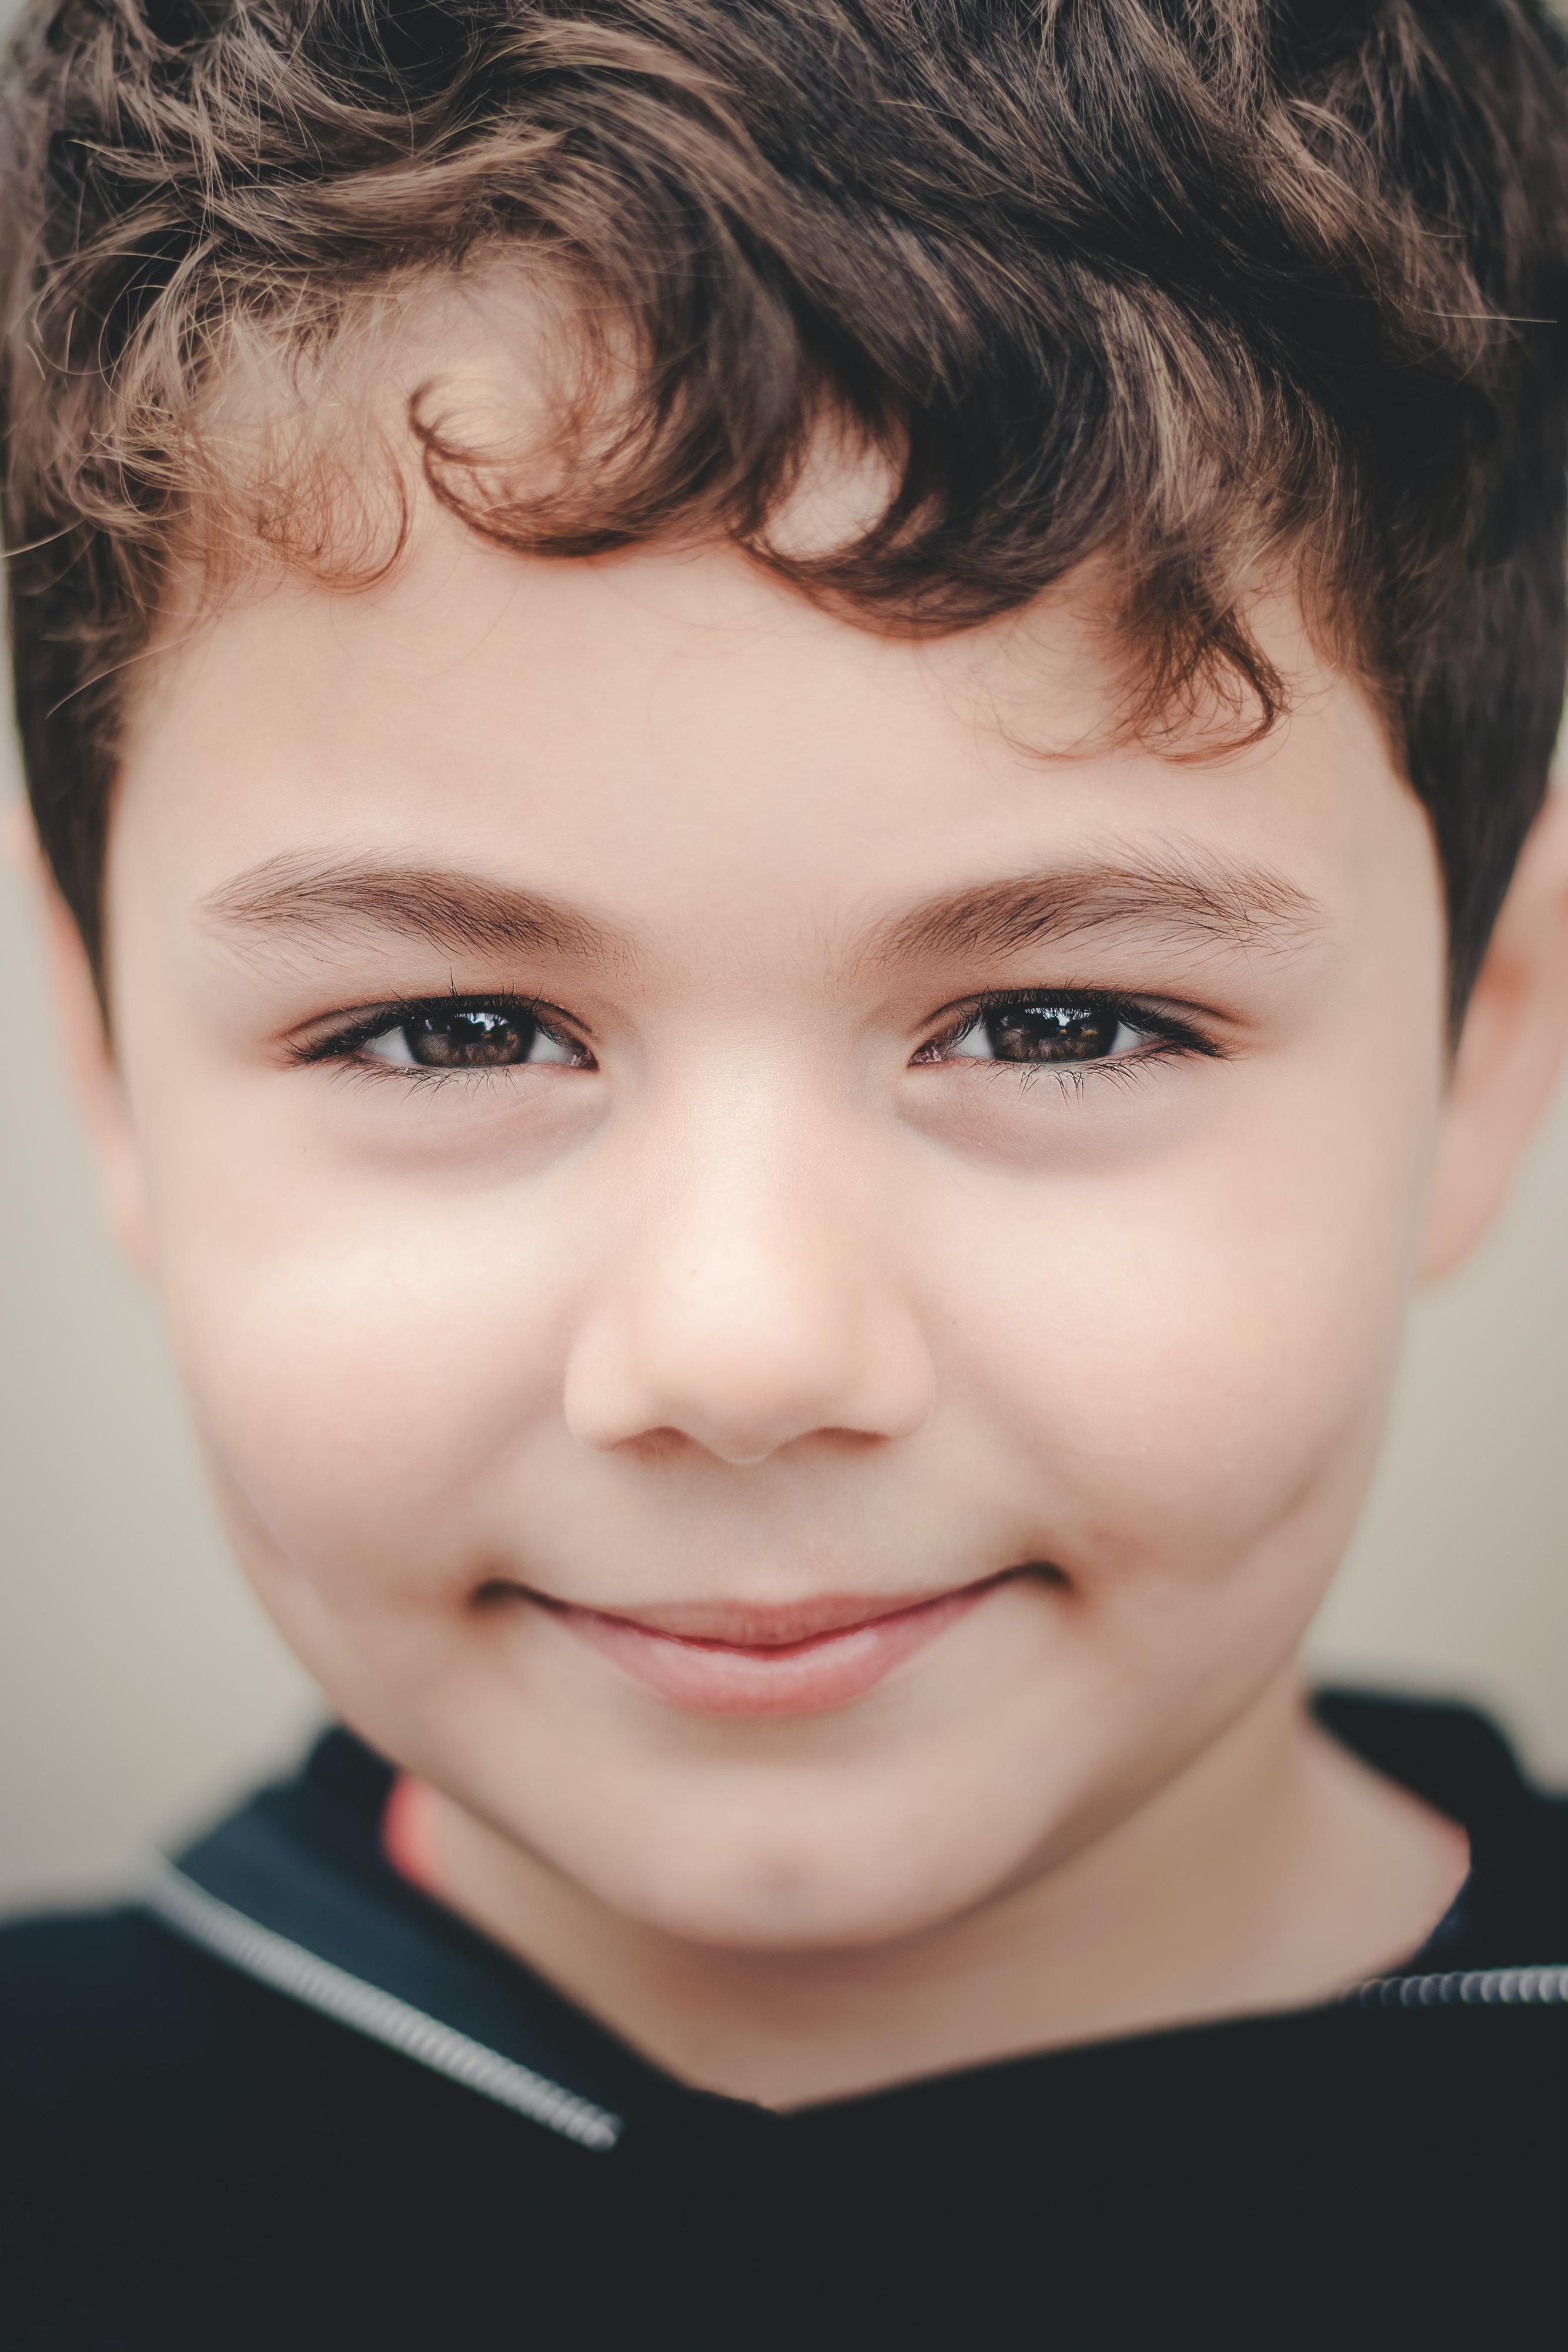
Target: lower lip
795, 1678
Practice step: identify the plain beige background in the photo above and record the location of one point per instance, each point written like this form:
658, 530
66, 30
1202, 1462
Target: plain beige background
140, 1685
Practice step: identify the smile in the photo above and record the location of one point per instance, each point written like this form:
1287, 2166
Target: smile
718, 1659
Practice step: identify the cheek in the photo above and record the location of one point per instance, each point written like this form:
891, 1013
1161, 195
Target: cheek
1197, 1362
358, 1377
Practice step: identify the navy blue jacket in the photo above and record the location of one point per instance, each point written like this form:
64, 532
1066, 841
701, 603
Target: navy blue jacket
288, 2103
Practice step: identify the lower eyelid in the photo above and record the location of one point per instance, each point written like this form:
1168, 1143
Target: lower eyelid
1124, 1067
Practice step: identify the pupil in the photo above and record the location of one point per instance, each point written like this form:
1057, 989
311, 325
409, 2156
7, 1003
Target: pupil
477, 1039
1051, 1032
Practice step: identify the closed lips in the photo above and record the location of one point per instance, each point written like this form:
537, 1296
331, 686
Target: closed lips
797, 1660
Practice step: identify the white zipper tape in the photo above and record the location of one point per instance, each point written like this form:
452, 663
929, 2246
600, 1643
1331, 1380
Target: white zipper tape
289, 1967
1465, 1988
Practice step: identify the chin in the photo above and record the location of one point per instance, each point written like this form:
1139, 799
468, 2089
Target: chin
831, 1915
776, 1893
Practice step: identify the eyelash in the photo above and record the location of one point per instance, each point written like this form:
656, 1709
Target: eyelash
346, 1046
1174, 1039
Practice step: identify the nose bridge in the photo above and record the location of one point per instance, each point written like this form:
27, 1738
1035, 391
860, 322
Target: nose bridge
748, 1304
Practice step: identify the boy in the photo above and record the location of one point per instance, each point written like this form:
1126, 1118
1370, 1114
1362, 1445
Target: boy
794, 763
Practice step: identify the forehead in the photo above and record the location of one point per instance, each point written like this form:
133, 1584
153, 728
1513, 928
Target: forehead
678, 743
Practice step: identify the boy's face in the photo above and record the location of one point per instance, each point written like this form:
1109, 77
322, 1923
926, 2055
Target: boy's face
748, 1294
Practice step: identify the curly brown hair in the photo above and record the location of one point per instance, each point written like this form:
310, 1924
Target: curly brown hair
1203, 287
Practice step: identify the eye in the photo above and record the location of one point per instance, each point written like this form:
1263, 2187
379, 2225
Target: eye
453, 1035
472, 1037
1054, 1030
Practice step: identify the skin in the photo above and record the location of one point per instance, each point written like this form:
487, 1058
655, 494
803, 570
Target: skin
757, 1306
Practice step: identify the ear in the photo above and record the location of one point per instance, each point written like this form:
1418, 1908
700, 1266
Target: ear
90, 1057
1511, 1049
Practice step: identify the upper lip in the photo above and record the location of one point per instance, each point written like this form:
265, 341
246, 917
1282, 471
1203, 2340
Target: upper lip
756, 1625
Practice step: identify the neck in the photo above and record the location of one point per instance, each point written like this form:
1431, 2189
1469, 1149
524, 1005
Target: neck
1273, 1871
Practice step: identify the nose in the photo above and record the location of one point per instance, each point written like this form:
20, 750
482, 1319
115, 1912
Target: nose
750, 1307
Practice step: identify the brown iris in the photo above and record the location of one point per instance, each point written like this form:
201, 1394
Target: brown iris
1051, 1032
479, 1038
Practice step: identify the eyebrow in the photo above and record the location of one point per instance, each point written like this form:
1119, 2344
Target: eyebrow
1185, 898
455, 912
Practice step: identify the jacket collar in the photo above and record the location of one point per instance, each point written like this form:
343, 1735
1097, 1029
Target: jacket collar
294, 1890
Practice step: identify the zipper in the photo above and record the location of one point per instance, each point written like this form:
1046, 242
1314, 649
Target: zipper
274, 1960
289, 1967
1465, 1988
